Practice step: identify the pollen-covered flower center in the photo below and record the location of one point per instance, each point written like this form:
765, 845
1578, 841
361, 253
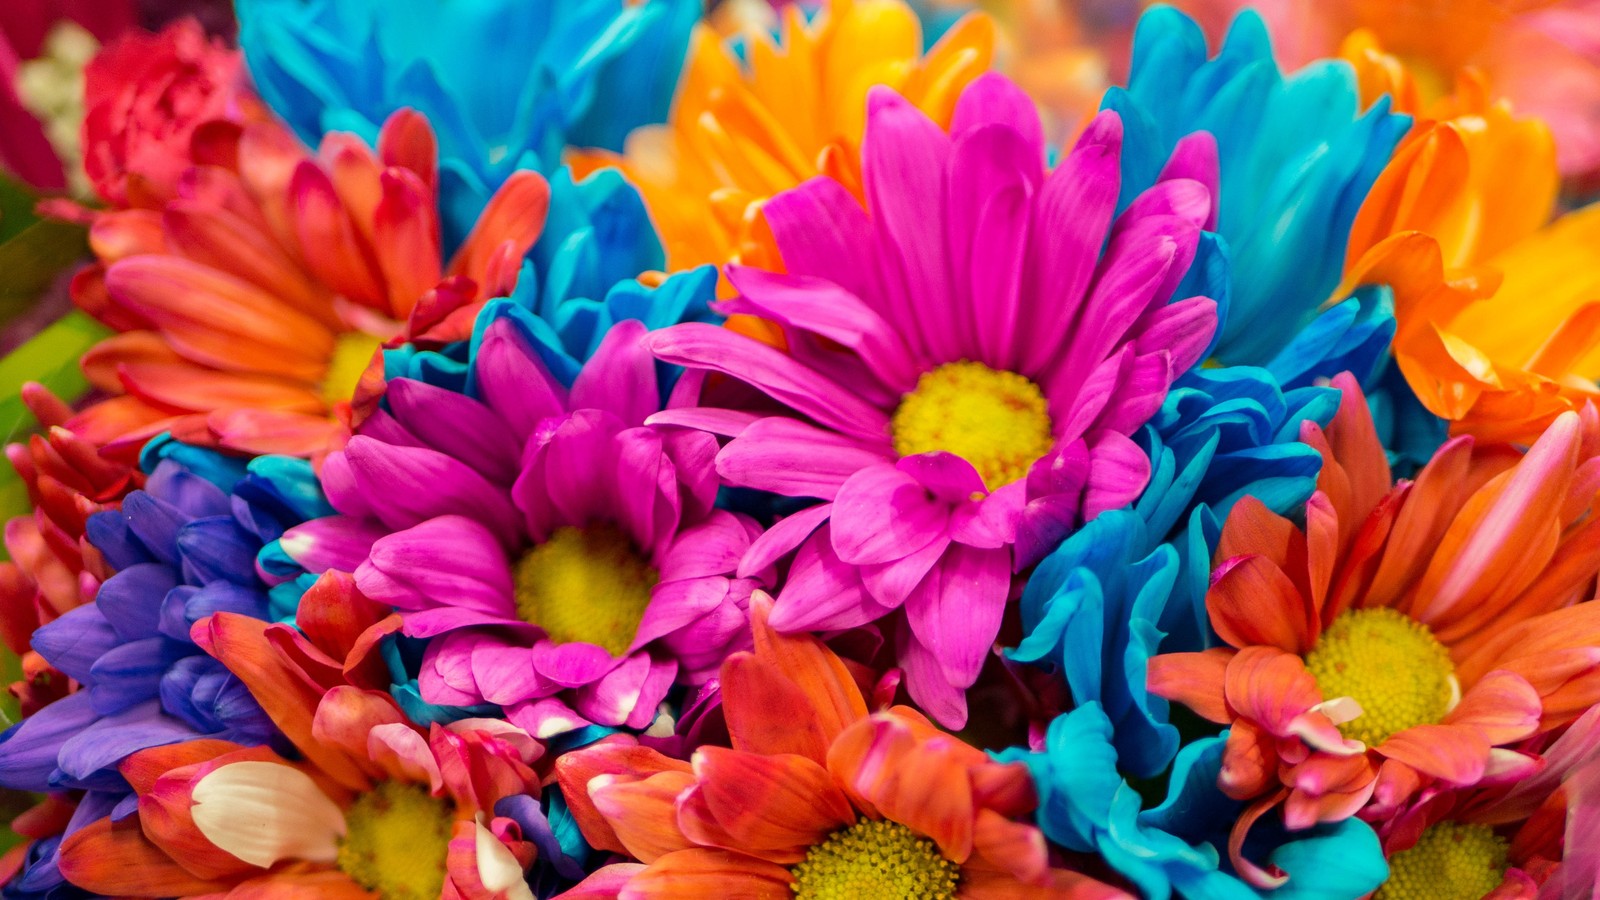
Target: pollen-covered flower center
396, 839
585, 584
1450, 861
1389, 663
996, 420
351, 353
885, 860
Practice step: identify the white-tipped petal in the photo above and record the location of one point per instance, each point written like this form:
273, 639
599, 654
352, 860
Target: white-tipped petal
498, 869
264, 812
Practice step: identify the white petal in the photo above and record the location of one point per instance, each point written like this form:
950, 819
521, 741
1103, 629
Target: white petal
264, 812
498, 869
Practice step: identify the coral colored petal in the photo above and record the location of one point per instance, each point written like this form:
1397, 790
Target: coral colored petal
642, 811
116, 859
774, 807
697, 874
1253, 603
1193, 679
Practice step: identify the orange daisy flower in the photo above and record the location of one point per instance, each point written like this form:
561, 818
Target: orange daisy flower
1496, 312
745, 129
252, 304
817, 798
1408, 633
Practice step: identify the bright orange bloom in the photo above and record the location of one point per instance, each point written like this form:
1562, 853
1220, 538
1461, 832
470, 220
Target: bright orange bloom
252, 304
817, 797
1496, 310
1409, 632
742, 131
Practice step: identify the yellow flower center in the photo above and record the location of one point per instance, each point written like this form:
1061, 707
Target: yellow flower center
585, 584
396, 839
1452, 861
875, 859
996, 420
351, 353
1389, 663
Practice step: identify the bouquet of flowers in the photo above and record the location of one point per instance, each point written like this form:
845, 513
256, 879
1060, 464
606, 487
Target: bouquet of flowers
509, 449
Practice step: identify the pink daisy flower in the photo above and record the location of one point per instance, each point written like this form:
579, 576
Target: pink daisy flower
966, 358
564, 560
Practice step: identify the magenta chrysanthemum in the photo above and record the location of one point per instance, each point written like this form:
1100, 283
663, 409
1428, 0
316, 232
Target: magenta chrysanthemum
964, 365
564, 560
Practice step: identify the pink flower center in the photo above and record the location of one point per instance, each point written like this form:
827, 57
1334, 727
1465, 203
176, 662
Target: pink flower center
997, 420
1392, 666
396, 839
586, 584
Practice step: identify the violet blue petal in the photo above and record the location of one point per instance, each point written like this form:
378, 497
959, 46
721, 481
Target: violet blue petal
131, 599
73, 642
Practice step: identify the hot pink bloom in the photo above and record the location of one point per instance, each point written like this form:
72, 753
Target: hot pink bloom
565, 560
964, 367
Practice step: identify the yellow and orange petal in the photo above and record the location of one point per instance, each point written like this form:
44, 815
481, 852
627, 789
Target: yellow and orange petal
1497, 322
742, 131
252, 304
816, 794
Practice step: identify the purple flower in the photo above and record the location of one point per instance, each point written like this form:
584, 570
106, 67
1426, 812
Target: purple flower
965, 364
564, 559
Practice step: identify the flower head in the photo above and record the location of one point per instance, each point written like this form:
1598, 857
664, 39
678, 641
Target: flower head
181, 549
816, 798
564, 560
1296, 157
585, 73
964, 366
1408, 634
145, 95
760, 117
253, 303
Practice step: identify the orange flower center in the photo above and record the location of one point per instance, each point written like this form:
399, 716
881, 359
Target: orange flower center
996, 420
875, 859
352, 351
1450, 860
585, 584
396, 839
1392, 665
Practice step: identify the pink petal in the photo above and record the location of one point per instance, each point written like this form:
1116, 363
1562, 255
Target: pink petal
882, 514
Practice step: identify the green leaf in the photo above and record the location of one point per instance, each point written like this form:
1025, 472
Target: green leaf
32, 259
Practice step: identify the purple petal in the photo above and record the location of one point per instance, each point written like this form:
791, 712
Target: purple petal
131, 599
1195, 157
955, 612
512, 382
725, 422
823, 232
546, 718
771, 371
993, 98
1119, 470
427, 623
822, 593
1142, 389
948, 477
457, 426
629, 694
408, 485
621, 376
883, 514
1183, 329
644, 489
569, 478
73, 642
504, 674
112, 739
712, 547
571, 664
339, 543
928, 685
789, 457
785, 535
450, 560
1072, 214
29, 751
892, 582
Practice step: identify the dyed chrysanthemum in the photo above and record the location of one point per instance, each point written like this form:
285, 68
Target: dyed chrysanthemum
1496, 325
1296, 154
964, 367
253, 303
584, 73
182, 548
1504, 840
564, 560
816, 799
1409, 634
761, 117
371, 806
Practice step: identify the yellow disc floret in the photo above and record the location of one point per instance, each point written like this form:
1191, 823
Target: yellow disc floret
351, 353
585, 584
1451, 861
396, 839
996, 420
1389, 663
884, 860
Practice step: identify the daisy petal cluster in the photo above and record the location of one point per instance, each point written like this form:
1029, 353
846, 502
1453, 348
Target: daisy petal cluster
805, 450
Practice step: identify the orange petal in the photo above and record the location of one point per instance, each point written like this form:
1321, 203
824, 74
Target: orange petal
773, 807
119, 861
515, 215
1502, 706
1195, 680
615, 756
697, 874
1271, 687
143, 768
264, 431
190, 388
1450, 753
1252, 603
922, 784
333, 250
406, 241
230, 243
1010, 846
1249, 764
642, 812
299, 885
